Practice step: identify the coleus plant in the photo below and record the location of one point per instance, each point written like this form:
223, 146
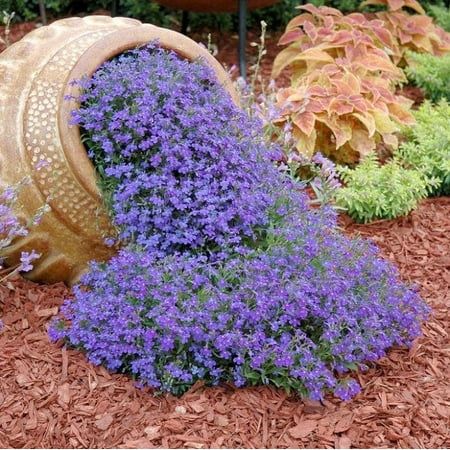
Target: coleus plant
341, 99
335, 112
411, 32
323, 34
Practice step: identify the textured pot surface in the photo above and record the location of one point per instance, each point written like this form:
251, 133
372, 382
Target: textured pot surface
36, 139
214, 5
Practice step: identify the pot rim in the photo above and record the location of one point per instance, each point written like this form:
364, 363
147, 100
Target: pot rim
105, 49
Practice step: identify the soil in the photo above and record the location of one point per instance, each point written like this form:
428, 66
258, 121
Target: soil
51, 397
17, 32
414, 93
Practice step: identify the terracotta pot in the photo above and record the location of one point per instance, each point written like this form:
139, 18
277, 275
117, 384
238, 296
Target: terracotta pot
36, 139
214, 5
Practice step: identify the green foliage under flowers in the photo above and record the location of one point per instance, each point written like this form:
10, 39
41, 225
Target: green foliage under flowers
441, 15
431, 73
374, 191
428, 147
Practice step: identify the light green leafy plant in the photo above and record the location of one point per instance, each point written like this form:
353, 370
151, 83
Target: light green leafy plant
373, 191
428, 146
441, 15
431, 73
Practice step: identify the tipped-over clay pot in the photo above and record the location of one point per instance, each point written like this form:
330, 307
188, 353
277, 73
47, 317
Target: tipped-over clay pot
36, 139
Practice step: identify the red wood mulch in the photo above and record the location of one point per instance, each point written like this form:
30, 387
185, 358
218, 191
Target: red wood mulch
51, 397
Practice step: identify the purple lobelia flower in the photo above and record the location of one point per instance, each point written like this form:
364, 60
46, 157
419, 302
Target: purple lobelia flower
179, 163
227, 275
302, 306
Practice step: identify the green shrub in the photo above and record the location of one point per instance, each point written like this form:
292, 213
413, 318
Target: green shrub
441, 15
428, 145
147, 11
276, 16
29, 9
342, 5
374, 191
431, 73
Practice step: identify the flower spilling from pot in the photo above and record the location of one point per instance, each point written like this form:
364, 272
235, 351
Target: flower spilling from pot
11, 228
225, 273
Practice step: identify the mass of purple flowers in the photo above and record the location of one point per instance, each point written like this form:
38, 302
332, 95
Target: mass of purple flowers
302, 307
228, 274
179, 167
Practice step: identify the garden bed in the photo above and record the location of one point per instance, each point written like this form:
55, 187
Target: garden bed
52, 397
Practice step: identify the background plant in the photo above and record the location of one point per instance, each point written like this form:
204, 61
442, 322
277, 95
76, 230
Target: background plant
29, 9
149, 11
415, 32
440, 14
427, 148
373, 191
431, 73
341, 100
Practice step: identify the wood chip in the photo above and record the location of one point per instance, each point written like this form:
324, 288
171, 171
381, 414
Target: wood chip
105, 422
303, 429
343, 442
64, 393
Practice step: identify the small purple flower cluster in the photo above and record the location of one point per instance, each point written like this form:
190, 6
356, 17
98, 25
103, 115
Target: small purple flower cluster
305, 305
228, 275
179, 161
11, 228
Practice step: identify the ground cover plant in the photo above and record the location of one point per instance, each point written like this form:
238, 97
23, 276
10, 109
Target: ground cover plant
427, 145
269, 292
420, 167
431, 73
374, 191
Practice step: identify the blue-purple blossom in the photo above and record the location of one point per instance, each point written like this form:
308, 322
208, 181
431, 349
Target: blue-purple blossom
11, 227
304, 305
26, 260
180, 164
227, 274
